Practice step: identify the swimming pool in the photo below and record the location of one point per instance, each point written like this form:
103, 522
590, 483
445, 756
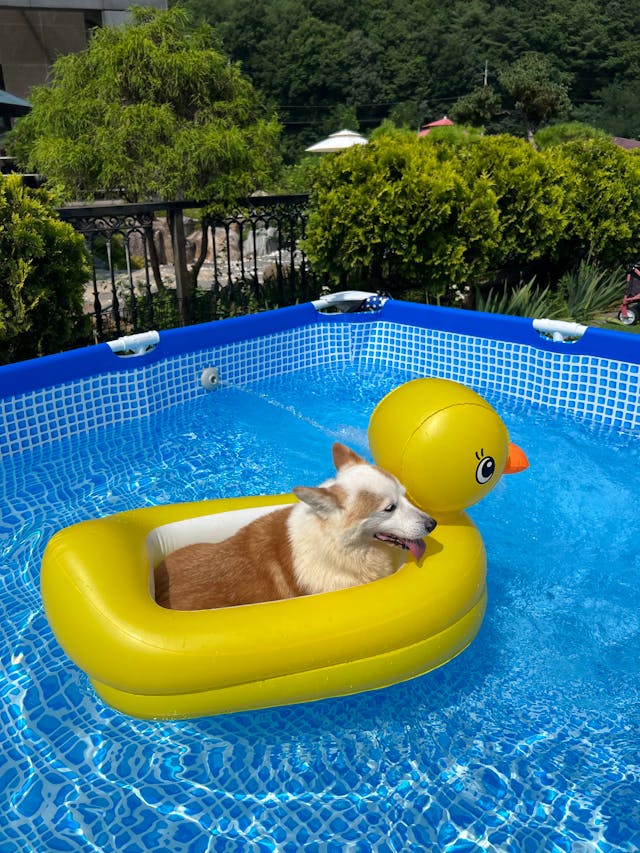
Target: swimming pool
527, 741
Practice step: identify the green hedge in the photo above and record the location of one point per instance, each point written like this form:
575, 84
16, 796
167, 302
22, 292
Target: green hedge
403, 212
43, 268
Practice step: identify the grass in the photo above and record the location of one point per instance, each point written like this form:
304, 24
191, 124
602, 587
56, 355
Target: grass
614, 325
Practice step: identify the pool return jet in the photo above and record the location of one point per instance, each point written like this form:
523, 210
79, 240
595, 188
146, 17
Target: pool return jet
443, 441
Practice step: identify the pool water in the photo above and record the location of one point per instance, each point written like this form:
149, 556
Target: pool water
528, 741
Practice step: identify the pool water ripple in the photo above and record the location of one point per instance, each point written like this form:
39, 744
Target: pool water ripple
528, 741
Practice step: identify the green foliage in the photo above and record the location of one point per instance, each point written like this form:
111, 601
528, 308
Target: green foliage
402, 212
245, 296
582, 295
601, 186
455, 134
411, 60
615, 108
114, 253
419, 212
150, 109
399, 208
312, 57
300, 177
528, 198
160, 312
389, 128
537, 96
531, 94
43, 267
478, 107
589, 290
558, 134
527, 300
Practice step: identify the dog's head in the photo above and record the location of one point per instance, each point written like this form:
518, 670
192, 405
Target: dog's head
368, 503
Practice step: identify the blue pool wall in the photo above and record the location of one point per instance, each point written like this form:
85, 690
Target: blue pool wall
595, 377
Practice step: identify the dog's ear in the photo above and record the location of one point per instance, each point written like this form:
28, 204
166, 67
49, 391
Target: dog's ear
321, 499
343, 456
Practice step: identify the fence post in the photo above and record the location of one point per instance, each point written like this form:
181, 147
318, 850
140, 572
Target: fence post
183, 281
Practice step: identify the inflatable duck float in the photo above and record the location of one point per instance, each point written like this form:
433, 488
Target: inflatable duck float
442, 440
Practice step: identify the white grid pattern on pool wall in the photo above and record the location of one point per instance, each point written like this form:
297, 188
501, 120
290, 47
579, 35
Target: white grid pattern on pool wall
599, 389
602, 390
50, 414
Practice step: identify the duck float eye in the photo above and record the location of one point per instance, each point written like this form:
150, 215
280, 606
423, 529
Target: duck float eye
486, 469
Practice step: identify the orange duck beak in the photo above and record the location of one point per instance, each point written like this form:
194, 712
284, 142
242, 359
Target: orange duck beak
516, 460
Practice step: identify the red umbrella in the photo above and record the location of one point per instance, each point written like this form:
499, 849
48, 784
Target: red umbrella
442, 122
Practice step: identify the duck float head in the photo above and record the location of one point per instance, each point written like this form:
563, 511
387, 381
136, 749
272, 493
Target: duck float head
444, 442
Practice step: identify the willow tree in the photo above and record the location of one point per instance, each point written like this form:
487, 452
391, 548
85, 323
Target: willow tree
152, 109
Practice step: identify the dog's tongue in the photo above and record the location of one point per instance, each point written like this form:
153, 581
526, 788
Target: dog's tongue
417, 547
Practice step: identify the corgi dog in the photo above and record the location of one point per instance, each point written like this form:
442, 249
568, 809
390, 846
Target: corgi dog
349, 530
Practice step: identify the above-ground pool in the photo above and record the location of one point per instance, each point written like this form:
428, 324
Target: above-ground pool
527, 741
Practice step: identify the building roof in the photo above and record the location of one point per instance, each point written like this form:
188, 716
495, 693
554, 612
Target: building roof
12, 105
626, 143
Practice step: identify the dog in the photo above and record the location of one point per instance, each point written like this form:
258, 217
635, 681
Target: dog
349, 530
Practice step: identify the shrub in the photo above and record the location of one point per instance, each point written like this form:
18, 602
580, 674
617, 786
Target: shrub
588, 291
434, 213
300, 177
401, 210
530, 201
528, 300
601, 187
559, 134
403, 213
581, 295
43, 268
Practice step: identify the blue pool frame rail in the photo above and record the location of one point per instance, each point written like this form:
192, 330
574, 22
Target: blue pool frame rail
594, 377
97, 359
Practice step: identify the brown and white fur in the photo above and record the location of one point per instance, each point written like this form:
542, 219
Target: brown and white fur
354, 528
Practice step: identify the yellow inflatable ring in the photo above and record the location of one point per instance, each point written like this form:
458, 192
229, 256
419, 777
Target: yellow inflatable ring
150, 662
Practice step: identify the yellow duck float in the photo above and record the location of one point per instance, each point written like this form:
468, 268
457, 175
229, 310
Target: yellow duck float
443, 441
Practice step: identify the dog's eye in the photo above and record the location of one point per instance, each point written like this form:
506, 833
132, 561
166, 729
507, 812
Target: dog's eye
485, 470
390, 508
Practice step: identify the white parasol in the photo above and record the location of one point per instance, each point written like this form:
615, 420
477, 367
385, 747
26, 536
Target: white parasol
337, 142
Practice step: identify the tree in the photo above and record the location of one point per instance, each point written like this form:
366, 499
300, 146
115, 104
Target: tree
151, 109
410, 60
478, 107
619, 110
43, 267
538, 97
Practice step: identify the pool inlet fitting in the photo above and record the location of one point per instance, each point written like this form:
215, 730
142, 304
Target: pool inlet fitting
209, 378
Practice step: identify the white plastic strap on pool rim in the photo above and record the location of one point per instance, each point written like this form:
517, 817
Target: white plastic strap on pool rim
344, 301
559, 330
135, 344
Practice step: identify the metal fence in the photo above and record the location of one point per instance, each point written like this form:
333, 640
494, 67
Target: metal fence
172, 263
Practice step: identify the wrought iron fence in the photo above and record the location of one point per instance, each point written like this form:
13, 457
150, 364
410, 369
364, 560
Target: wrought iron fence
166, 264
